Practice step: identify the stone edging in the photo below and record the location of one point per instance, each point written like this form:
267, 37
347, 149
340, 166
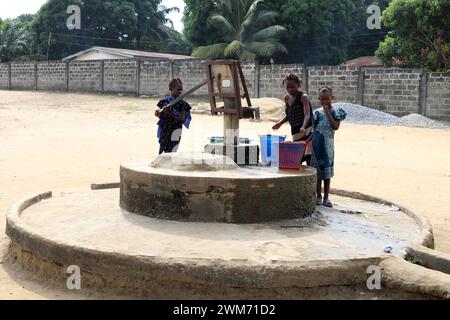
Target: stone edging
430, 259
214, 272
237, 273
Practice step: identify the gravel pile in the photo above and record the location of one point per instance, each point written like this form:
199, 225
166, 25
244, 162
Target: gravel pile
415, 120
363, 115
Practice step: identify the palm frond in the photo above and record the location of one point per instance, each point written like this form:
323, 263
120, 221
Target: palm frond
227, 8
275, 31
223, 23
214, 51
265, 18
167, 10
257, 22
252, 11
233, 49
249, 19
247, 31
247, 56
266, 49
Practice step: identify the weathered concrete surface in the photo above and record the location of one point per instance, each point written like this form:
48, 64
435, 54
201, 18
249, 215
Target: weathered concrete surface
326, 255
428, 258
240, 195
426, 237
156, 288
401, 275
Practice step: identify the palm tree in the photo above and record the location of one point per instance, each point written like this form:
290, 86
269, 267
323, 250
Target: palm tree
152, 22
248, 32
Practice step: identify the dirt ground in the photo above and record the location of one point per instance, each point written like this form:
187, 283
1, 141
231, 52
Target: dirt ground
66, 142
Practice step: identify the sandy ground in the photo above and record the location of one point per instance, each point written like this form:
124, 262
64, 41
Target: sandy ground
65, 142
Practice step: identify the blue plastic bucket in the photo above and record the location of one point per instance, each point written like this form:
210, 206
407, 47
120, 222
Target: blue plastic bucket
268, 152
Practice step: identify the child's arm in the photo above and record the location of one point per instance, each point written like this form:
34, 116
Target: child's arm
307, 112
280, 124
161, 104
335, 124
287, 102
180, 118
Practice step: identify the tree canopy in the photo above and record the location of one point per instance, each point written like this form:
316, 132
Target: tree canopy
327, 31
198, 29
15, 38
318, 31
420, 35
247, 33
131, 24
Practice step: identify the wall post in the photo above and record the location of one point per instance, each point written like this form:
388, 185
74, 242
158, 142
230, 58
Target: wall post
67, 75
423, 93
102, 76
361, 86
257, 79
138, 77
9, 76
35, 76
306, 78
172, 69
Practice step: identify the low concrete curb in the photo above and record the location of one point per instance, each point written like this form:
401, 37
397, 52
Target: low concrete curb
113, 270
105, 186
401, 275
212, 272
428, 258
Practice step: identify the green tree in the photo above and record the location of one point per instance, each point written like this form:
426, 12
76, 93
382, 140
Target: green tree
198, 29
327, 31
248, 32
152, 22
319, 31
175, 43
131, 24
420, 35
365, 42
15, 38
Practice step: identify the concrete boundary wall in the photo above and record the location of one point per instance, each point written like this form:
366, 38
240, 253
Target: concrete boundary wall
393, 90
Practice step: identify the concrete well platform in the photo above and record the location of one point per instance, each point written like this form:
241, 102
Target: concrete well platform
212, 188
324, 255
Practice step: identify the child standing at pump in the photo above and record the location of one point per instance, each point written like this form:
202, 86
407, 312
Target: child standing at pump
172, 119
327, 121
298, 111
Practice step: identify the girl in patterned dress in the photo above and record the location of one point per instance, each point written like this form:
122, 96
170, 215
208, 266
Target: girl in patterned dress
327, 121
171, 120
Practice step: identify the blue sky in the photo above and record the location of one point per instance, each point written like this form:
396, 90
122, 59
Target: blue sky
13, 9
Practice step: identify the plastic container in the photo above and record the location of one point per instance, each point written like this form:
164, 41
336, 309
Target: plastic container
267, 145
220, 140
291, 154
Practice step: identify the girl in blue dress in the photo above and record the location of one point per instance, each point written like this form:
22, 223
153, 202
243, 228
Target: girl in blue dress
327, 121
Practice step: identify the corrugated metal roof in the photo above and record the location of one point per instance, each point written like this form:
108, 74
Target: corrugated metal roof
368, 61
132, 54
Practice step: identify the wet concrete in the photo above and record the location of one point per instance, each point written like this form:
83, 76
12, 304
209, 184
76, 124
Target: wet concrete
353, 229
324, 255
